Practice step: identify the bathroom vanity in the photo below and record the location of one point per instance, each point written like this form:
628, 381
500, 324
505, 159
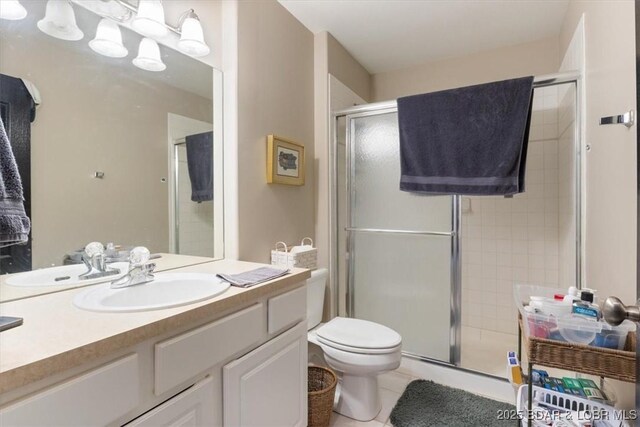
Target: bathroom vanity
237, 359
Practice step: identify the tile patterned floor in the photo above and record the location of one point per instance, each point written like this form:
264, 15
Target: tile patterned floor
391, 386
483, 351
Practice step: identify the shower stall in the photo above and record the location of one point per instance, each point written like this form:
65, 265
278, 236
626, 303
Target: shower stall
440, 269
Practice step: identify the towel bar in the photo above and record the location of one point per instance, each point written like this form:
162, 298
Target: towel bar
385, 231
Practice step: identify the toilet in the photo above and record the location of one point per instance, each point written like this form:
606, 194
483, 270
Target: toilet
357, 349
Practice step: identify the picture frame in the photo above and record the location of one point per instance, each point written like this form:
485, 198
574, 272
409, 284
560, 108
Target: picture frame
285, 161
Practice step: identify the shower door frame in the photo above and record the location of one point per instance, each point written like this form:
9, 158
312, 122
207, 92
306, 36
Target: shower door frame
174, 232
386, 107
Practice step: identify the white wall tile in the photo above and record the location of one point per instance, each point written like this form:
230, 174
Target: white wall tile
519, 240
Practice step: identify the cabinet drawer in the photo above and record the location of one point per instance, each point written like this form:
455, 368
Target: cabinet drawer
98, 397
287, 309
183, 357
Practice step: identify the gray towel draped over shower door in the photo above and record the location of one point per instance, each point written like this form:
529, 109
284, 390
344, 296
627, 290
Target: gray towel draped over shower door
469, 141
200, 165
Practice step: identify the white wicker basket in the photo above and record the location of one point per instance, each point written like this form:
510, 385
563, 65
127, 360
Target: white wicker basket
282, 256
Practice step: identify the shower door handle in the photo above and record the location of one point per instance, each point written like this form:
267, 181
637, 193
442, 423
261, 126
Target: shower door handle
413, 232
615, 312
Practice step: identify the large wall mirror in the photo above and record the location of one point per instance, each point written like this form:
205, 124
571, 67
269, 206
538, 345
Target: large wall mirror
103, 145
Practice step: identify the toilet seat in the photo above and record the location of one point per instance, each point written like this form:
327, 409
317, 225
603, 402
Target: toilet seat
358, 336
351, 349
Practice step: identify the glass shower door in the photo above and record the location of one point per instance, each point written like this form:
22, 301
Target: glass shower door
401, 270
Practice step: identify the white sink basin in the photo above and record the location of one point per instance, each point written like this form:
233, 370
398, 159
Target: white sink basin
67, 275
167, 290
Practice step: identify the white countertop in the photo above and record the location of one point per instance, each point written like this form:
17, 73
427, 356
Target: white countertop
57, 336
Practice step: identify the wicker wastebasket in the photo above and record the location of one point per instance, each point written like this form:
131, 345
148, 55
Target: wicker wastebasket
322, 389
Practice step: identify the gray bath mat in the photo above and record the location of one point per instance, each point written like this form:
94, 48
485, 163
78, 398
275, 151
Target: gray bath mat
427, 404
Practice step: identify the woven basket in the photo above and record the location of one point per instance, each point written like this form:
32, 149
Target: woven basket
283, 257
616, 364
322, 389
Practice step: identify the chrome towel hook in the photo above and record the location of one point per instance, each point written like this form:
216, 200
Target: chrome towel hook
627, 119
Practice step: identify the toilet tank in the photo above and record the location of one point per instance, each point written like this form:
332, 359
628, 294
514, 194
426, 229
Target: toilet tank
316, 286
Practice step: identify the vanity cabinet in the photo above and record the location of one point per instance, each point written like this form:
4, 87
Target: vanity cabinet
193, 407
183, 357
97, 397
242, 367
268, 386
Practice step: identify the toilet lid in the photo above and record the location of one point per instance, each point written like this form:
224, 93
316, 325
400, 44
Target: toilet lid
356, 333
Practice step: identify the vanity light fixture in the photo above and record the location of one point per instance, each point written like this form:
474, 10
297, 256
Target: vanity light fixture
191, 38
108, 40
149, 56
109, 8
149, 19
12, 10
60, 21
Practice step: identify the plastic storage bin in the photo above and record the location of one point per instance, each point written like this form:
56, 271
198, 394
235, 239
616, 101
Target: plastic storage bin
565, 402
567, 327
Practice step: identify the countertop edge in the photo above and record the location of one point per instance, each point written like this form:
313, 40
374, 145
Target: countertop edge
41, 369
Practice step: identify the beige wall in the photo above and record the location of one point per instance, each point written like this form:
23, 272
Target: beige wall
275, 96
610, 164
330, 58
321, 150
95, 118
536, 58
345, 68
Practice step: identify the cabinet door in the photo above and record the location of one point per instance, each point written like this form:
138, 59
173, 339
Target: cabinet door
268, 387
193, 407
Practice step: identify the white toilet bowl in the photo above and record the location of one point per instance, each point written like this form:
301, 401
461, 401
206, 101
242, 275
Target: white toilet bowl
360, 350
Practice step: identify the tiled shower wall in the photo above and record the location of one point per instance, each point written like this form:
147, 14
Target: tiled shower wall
195, 220
518, 240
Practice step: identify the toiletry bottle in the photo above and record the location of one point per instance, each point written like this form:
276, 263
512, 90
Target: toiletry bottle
572, 295
586, 307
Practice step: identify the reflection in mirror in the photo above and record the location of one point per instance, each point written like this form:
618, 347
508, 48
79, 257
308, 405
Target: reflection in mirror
107, 150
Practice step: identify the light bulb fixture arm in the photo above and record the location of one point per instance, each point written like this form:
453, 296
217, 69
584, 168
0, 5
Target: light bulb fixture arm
176, 30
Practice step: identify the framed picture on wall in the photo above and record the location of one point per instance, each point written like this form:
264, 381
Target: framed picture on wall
285, 161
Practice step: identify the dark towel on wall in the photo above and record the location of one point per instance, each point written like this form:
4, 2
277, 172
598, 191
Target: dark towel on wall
470, 140
14, 223
200, 164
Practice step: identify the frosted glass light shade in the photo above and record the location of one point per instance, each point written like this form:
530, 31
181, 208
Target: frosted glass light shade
108, 40
149, 56
60, 22
192, 39
12, 10
149, 20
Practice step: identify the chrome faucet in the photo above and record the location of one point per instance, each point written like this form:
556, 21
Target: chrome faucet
140, 270
96, 261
